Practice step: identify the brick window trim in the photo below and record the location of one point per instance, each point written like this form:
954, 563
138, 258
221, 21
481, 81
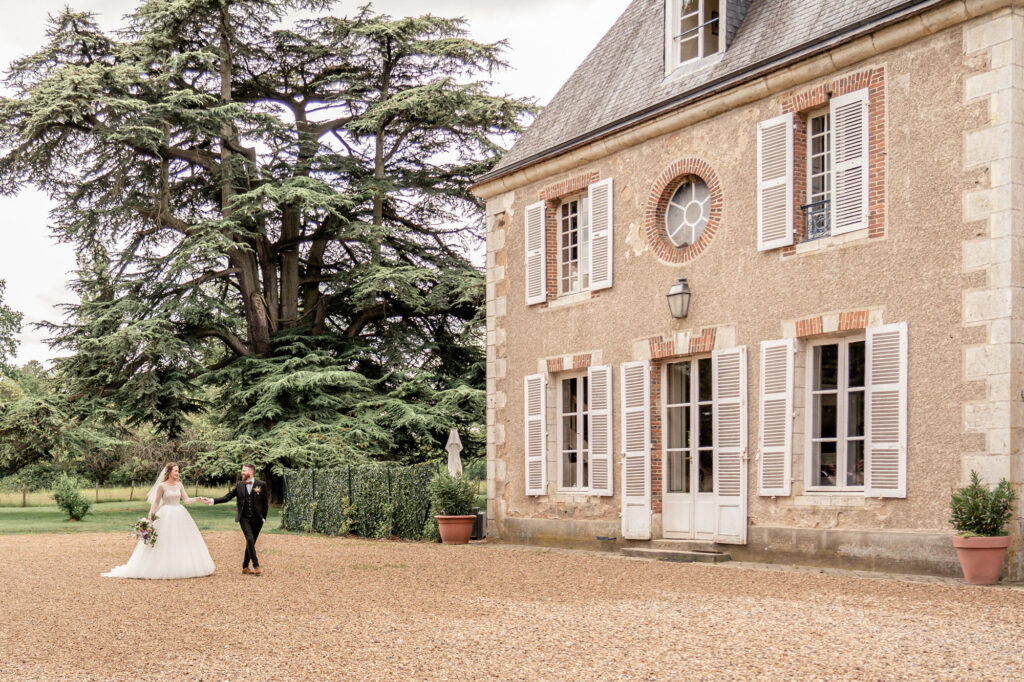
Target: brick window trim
657, 204
553, 195
566, 364
808, 100
854, 320
702, 341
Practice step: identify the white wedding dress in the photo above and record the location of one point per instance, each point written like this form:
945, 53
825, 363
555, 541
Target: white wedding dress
179, 552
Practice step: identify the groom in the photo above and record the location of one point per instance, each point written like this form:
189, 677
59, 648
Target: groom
251, 503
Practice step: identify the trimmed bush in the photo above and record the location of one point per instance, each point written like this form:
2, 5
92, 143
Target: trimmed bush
452, 495
65, 493
980, 512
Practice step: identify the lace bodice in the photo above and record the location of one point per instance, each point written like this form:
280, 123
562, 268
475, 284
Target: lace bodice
171, 496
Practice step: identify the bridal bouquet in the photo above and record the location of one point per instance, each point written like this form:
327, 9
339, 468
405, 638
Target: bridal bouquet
145, 531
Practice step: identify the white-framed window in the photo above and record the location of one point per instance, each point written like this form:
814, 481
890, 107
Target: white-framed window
836, 392
819, 156
689, 419
689, 211
574, 433
693, 30
574, 245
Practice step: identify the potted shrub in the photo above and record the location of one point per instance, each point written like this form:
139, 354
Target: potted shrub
453, 498
979, 517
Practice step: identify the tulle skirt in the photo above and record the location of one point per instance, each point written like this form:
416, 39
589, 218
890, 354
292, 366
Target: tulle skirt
179, 552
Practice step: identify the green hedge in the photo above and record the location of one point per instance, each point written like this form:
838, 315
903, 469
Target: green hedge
371, 501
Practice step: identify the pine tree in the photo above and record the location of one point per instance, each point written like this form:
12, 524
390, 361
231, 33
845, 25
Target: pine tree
274, 219
10, 327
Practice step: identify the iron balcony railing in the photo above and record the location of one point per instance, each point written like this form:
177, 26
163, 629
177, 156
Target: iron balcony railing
817, 220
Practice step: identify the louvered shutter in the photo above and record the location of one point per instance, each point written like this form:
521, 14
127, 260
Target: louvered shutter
729, 368
536, 282
775, 460
535, 442
636, 450
600, 403
775, 182
601, 234
885, 466
849, 115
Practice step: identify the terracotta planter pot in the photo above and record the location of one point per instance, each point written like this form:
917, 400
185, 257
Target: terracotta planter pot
455, 530
981, 558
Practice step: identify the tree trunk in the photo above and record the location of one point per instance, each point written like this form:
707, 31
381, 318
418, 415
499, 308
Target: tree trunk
131, 493
24, 495
97, 490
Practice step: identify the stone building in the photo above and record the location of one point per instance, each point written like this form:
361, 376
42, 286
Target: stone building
841, 185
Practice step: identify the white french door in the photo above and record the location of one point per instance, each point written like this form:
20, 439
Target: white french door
688, 501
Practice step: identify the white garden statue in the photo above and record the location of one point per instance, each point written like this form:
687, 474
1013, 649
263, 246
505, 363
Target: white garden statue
454, 447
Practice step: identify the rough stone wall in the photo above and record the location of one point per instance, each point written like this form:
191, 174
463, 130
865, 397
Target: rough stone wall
993, 306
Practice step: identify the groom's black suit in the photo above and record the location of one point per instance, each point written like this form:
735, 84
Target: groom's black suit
250, 513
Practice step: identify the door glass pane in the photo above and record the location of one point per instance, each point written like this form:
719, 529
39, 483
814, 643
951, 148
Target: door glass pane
855, 462
824, 415
678, 383
857, 354
823, 468
677, 427
704, 379
826, 367
679, 471
855, 414
706, 472
705, 433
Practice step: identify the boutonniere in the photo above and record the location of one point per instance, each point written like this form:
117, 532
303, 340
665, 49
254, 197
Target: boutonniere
257, 489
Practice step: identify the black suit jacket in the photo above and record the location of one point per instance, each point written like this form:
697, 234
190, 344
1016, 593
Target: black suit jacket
260, 499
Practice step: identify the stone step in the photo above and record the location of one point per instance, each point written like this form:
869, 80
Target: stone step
676, 555
685, 545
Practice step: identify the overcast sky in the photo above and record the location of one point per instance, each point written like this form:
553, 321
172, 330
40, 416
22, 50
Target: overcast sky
548, 39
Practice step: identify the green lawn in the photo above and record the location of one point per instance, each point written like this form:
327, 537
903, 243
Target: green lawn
117, 516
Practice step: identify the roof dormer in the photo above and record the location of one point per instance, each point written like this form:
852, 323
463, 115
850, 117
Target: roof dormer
697, 29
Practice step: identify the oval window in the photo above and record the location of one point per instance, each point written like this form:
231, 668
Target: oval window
688, 213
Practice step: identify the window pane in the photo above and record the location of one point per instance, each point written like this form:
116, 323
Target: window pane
568, 396
856, 361
678, 383
688, 49
569, 479
855, 414
855, 462
569, 435
824, 416
677, 417
823, 467
679, 471
704, 370
711, 30
826, 367
585, 480
706, 472
705, 433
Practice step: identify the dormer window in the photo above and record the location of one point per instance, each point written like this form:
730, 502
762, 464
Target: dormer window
693, 30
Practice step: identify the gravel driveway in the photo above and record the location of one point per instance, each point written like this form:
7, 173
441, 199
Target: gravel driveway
353, 609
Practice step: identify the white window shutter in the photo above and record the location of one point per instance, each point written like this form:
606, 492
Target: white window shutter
775, 182
636, 450
600, 402
729, 369
602, 237
536, 250
535, 388
850, 150
776, 457
885, 466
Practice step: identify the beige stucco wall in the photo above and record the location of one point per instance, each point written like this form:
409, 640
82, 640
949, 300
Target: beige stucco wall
915, 274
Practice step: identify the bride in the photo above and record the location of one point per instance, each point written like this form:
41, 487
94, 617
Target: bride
179, 551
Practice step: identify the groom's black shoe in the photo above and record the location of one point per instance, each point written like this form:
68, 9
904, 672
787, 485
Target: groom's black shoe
246, 571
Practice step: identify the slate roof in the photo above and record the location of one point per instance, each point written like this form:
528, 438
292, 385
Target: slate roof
623, 79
